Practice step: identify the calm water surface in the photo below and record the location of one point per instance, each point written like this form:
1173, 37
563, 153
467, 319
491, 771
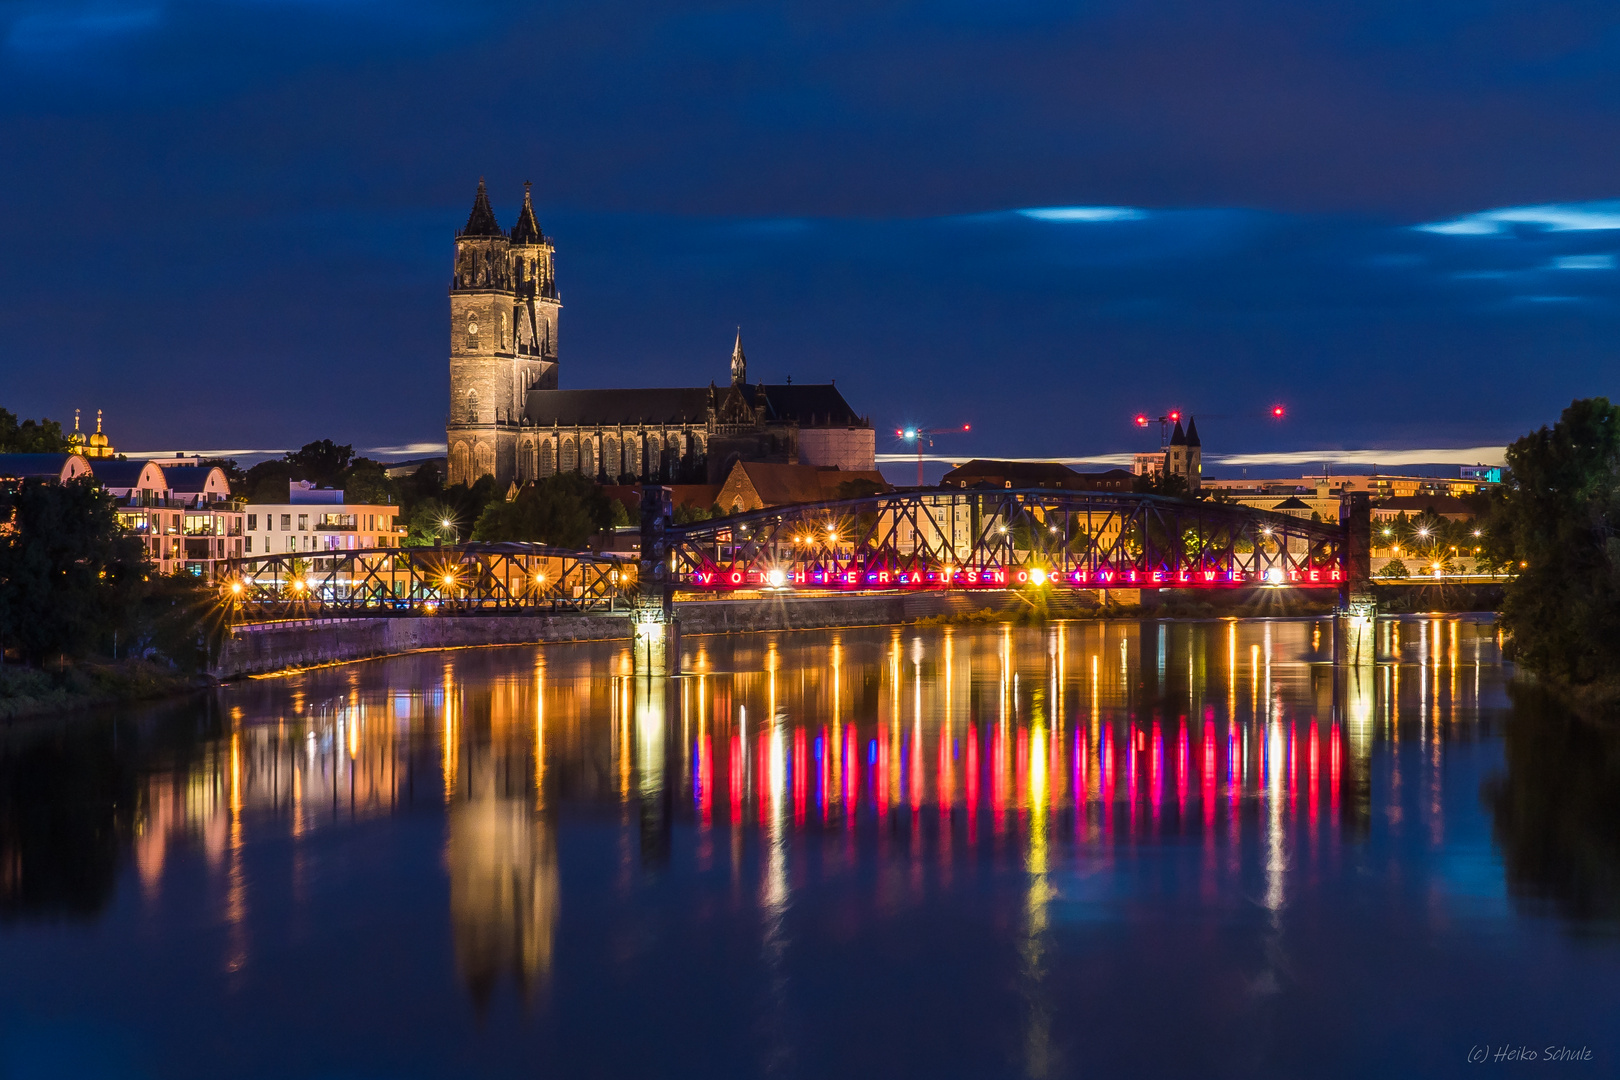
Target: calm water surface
1132, 849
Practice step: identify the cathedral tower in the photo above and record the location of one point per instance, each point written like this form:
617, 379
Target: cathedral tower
503, 339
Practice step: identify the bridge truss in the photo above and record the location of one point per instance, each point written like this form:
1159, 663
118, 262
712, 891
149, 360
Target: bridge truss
978, 539
508, 578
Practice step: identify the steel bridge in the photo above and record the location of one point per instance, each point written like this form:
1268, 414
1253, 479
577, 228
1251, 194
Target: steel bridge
912, 540
459, 579
1001, 539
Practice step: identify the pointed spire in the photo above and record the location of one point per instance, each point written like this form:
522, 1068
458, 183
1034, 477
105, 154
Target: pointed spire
98, 422
75, 421
739, 362
1179, 436
1192, 432
481, 222
527, 229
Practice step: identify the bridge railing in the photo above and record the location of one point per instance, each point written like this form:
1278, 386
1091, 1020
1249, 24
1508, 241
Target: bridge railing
508, 578
979, 539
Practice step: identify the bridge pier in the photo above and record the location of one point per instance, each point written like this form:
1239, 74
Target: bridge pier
1355, 637
657, 633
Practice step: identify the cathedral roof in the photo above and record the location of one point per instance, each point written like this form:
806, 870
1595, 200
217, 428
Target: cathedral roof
527, 229
481, 222
1179, 436
1192, 433
808, 405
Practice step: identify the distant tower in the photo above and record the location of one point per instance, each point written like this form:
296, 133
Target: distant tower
1184, 457
739, 363
503, 338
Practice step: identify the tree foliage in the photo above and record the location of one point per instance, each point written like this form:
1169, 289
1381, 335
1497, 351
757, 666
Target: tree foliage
1558, 518
564, 510
68, 572
29, 437
321, 462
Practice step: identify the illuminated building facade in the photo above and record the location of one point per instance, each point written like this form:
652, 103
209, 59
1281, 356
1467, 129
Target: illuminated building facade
508, 419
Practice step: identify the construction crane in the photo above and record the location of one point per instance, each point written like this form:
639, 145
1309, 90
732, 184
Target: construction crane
1276, 412
925, 437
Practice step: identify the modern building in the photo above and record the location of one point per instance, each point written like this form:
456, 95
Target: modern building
317, 520
184, 514
59, 468
984, 473
508, 418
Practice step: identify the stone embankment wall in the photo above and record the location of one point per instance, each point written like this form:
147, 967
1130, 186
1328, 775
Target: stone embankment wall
270, 647
255, 650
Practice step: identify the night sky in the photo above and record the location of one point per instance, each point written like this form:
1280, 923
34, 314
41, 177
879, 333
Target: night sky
229, 224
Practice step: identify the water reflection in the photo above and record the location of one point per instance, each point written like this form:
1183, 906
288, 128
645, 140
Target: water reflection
920, 752
1556, 810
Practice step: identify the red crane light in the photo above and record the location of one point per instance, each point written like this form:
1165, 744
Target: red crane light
1175, 414
1277, 411
1141, 420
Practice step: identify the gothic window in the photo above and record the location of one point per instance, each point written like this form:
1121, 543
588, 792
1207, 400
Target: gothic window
472, 331
500, 340
611, 464
525, 460
570, 456
587, 457
460, 465
548, 463
486, 460
472, 406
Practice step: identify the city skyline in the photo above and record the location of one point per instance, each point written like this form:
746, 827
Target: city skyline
954, 213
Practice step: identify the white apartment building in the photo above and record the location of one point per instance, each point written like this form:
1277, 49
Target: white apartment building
316, 521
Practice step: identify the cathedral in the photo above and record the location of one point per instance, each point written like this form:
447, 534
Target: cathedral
509, 419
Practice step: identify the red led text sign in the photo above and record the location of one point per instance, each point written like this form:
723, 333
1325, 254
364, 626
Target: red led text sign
857, 577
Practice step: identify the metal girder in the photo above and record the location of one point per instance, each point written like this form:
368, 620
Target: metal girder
509, 578
1003, 539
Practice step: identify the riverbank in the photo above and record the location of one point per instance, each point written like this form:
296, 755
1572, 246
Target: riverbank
26, 692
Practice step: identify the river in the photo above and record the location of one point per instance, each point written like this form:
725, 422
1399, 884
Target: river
1161, 848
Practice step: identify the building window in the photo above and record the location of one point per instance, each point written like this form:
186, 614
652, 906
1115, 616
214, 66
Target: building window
248, 545
472, 332
292, 543
253, 522
286, 524
303, 522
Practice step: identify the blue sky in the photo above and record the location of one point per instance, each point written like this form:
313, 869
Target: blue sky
228, 224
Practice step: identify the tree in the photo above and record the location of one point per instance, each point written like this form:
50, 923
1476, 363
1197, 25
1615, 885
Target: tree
1395, 570
322, 463
432, 522
28, 437
69, 575
562, 510
1559, 515
267, 482
366, 481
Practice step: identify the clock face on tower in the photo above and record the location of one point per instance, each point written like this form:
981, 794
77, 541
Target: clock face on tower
472, 327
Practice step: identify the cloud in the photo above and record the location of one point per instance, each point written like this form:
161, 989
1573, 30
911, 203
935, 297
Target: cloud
1583, 262
1549, 217
408, 449
1068, 214
68, 28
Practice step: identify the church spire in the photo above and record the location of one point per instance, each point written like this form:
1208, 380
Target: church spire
739, 362
1192, 433
527, 229
481, 222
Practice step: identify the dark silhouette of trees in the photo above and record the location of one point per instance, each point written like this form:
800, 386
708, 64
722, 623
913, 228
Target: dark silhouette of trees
1558, 520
